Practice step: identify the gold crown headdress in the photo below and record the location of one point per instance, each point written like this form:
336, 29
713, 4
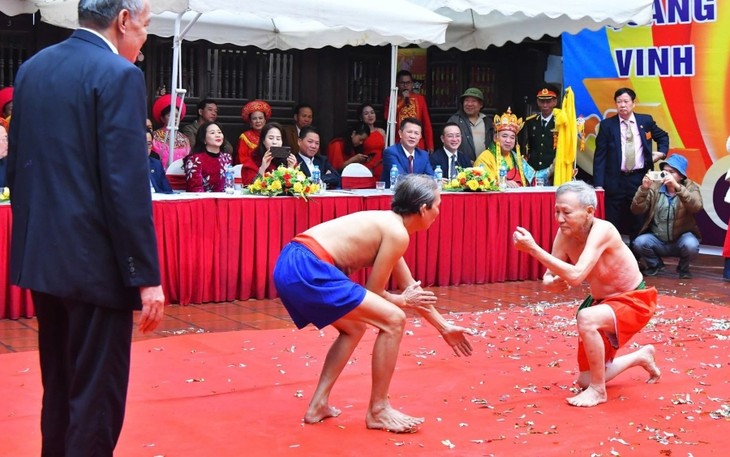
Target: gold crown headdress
507, 121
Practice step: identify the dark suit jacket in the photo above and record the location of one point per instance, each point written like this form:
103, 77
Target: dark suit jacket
328, 173
440, 157
291, 138
158, 178
608, 155
79, 176
395, 154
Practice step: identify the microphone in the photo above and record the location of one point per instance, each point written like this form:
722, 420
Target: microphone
406, 97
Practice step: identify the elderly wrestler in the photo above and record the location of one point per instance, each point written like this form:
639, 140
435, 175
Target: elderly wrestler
311, 277
620, 304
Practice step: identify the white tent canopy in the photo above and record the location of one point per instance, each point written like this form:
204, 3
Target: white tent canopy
477, 24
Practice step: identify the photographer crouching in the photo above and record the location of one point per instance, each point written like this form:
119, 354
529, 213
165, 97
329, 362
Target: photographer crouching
669, 201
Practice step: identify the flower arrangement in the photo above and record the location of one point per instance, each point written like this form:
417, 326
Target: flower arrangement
472, 179
4, 194
284, 181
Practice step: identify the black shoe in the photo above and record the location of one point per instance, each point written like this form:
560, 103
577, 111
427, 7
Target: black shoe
653, 271
685, 275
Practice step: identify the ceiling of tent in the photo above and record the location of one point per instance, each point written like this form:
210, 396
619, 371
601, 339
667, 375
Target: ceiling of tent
282, 24
477, 24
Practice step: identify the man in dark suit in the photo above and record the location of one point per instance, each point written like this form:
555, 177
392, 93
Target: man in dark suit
83, 240
303, 117
622, 158
406, 155
308, 157
449, 157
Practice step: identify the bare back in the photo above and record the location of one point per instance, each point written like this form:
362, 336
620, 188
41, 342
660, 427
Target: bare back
364, 239
611, 267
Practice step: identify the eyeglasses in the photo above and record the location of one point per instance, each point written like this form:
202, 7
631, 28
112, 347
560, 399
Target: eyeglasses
405, 83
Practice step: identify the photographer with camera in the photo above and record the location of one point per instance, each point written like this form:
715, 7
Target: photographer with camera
669, 201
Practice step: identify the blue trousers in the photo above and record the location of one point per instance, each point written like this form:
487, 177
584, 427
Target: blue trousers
652, 249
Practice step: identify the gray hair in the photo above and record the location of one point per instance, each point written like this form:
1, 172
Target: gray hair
413, 191
586, 194
99, 14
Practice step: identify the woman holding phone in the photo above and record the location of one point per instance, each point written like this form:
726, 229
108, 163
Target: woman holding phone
347, 149
268, 155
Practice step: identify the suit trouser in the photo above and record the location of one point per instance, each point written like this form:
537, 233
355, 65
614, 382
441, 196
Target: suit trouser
618, 205
84, 356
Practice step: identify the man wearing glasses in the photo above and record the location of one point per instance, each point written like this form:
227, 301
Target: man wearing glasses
411, 104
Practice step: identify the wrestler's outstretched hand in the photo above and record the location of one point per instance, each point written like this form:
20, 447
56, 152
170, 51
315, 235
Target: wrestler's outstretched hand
455, 337
414, 296
523, 239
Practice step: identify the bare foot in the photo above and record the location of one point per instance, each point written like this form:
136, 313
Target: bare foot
589, 397
647, 362
319, 413
392, 420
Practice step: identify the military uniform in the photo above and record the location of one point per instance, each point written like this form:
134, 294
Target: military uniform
539, 142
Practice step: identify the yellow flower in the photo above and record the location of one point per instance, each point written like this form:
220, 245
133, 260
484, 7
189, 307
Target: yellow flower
276, 185
472, 184
313, 188
461, 175
297, 187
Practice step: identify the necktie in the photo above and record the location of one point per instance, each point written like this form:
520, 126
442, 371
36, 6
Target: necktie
544, 123
410, 163
452, 167
629, 148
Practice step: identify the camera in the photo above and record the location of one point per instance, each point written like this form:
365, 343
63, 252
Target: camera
280, 152
656, 175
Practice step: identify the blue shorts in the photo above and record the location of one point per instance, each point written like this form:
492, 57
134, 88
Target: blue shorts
312, 290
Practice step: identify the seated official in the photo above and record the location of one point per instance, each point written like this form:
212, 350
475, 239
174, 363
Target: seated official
263, 160
347, 149
504, 154
308, 158
158, 179
449, 156
205, 166
669, 205
406, 155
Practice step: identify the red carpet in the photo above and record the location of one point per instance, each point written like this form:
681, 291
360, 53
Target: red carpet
244, 393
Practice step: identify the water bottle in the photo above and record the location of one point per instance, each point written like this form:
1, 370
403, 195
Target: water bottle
438, 175
502, 176
316, 175
393, 176
229, 185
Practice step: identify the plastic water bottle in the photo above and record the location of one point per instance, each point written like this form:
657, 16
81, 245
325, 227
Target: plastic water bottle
438, 175
502, 176
393, 176
316, 175
229, 186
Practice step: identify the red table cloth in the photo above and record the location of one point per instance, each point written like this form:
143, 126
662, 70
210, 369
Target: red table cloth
224, 249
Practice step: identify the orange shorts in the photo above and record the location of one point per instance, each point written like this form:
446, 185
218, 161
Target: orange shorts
632, 311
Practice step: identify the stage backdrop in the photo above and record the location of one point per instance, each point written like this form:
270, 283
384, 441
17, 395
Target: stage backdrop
678, 67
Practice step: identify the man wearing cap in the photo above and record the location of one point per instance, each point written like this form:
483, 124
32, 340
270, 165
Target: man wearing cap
540, 131
476, 134
622, 157
669, 203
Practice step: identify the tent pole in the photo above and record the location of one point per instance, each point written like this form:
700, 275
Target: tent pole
392, 121
173, 123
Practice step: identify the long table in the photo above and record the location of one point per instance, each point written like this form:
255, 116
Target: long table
216, 248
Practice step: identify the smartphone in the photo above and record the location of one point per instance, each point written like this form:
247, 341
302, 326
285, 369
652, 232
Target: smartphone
280, 152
